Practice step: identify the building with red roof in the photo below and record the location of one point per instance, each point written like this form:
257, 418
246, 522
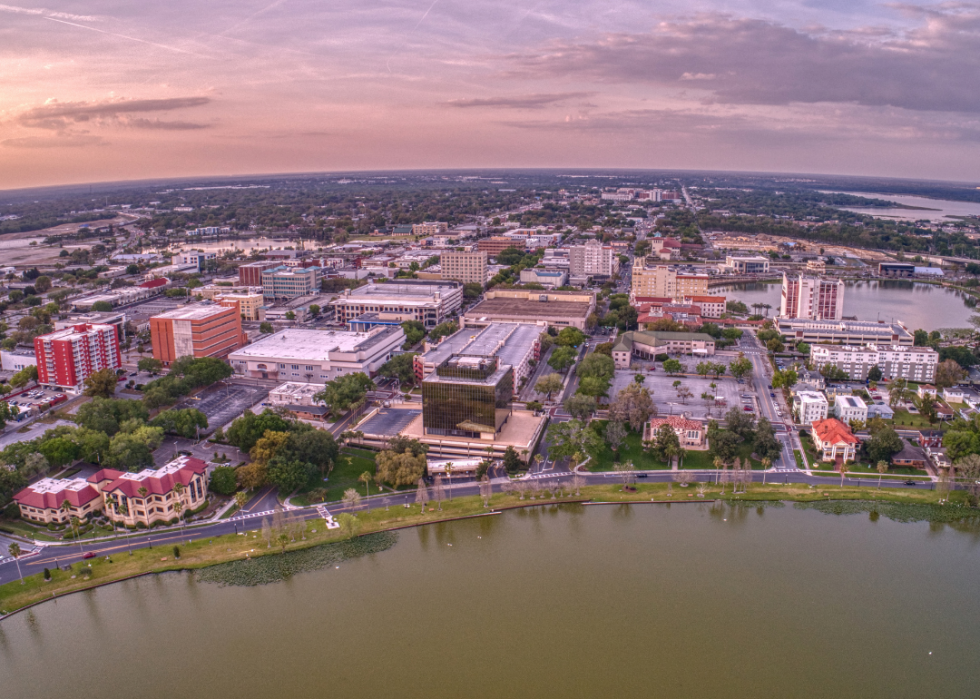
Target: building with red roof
690, 433
154, 494
44, 500
127, 498
834, 441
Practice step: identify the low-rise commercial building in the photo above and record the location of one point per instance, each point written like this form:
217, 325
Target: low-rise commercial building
251, 306
834, 441
550, 278
202, 329
553, 308
666, 281
896, 270
65, 358
42, 501
810, 406
846, 332
17, 358
306, 355
916, 364
429, 303
250, 274
430, 228
195, 257
496, 244
646, 344
747, 265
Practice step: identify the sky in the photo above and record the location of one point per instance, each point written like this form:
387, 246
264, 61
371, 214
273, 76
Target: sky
104, 90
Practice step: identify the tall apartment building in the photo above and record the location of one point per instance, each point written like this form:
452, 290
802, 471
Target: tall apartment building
198, 330
664, 281
811, 298
430, 228
65, 358
280, 283
494, 245
251, 274
466, 267
895, 361
593, 260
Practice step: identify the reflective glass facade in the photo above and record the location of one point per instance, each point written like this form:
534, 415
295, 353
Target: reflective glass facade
467, 407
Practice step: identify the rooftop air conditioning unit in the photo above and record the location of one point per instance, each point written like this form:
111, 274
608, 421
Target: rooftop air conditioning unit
542, 298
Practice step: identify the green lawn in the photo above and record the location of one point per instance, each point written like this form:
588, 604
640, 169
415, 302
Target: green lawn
903, 418
349, 466
632, 450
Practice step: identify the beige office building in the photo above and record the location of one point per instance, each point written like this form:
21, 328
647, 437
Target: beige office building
466, 267
664, 281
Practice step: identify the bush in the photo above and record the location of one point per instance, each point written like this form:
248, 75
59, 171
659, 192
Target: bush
176, 552
11, 511
47, 574
662, 357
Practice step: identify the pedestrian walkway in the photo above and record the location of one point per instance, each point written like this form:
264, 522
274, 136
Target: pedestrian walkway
328, 518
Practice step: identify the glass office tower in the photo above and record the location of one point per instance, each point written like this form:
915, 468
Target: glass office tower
467, 396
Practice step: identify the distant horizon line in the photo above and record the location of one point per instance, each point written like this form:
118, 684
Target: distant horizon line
597, 171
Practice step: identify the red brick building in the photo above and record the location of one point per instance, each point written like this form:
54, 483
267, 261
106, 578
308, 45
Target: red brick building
251, 274
199, 330
65, 358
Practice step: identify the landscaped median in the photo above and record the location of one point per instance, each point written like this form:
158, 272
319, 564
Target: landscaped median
115, 563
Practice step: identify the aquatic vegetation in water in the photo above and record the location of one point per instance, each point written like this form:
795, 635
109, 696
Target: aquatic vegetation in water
277, 567
897, 511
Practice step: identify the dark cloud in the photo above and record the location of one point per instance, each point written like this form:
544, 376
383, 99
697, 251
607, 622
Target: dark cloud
520, 101
59, 116
72, 141
730, 60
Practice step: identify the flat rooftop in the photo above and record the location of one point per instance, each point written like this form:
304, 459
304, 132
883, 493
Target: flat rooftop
195, 311
316, 345
392, 290
524, 308
509, 341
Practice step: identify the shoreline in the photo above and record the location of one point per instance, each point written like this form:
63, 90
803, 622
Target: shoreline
203, 554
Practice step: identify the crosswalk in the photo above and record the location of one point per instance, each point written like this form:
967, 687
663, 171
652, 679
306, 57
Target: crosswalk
327, 517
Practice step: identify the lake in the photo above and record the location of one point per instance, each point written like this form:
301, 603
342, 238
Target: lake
246, 245
573, 601
916, 304
936, 209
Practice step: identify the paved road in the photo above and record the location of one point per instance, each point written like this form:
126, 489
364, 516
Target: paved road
52, 555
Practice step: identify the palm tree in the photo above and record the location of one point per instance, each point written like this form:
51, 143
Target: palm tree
449, 475
75, 526
14, 550
179, 505
766, 465
66, 508
882, 469
179, 510
538, 458
365, 478
843, 471
146, 510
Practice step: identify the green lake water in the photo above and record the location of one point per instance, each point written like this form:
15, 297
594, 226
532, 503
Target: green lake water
599, 601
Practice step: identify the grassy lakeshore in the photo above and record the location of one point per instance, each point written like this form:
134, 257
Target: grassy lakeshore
114, 563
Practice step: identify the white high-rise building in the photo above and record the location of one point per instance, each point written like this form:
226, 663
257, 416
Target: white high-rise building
593, 259
811, 298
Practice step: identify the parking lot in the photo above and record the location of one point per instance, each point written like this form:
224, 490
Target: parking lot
665, 396
224, 401
37, 397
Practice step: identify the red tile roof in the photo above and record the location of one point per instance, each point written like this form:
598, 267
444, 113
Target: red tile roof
675, 421
158, 485
52, 501
834, 431
154, 283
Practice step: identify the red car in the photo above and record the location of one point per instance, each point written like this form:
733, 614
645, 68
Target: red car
89, 554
